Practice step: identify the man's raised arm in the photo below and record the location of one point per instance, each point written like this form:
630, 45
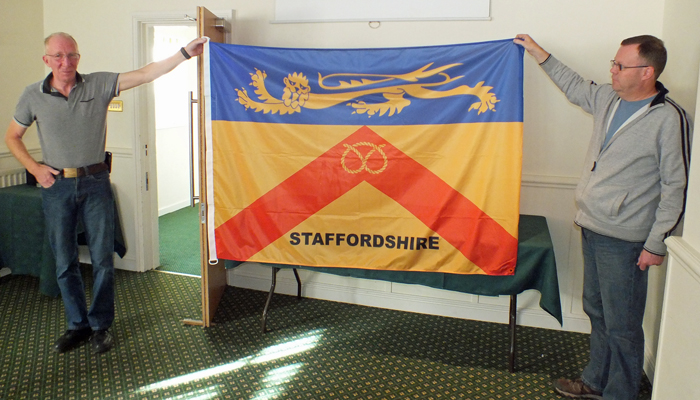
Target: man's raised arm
154, 70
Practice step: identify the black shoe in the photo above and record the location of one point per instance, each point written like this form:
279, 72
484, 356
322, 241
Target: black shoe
71, 339
101, 341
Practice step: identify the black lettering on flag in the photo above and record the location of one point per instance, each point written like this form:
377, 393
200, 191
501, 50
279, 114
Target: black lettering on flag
306, 236
365, 240
434, 243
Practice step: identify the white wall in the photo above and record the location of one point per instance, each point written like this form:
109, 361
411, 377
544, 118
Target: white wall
681, 24
20, 65
584, 35
680, 33
677, 336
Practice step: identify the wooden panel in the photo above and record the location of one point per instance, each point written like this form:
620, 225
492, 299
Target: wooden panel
213, 276
678, 352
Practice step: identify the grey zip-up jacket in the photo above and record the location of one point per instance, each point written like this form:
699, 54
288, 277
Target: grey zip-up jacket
634, 189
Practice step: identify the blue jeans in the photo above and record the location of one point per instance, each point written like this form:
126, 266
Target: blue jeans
87, 199
614, 297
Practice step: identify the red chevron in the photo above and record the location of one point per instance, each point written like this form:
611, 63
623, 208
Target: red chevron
439, 206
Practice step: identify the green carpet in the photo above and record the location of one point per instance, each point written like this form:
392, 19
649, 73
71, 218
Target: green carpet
315, 349
179, 241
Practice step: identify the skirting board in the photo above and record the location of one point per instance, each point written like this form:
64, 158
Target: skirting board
496, 313
173, 207
649, 362
126, 263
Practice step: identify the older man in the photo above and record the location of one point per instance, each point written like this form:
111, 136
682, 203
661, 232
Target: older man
630, 198
70, 110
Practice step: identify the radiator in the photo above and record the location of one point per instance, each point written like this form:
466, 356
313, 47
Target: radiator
13, 177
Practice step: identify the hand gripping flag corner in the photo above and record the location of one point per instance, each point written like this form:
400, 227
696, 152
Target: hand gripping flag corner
390, 159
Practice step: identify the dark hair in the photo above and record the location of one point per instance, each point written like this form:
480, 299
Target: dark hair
651, 49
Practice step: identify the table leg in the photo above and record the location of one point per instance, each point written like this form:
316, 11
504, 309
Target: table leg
296, 275
512, 325
263, 323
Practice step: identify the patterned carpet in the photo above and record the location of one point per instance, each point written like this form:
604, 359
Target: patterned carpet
179, 241
315, 350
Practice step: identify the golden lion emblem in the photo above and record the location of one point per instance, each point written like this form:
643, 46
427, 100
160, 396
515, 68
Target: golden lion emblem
297, 93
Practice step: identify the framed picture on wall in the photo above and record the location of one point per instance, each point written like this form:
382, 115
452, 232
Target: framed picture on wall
297, 11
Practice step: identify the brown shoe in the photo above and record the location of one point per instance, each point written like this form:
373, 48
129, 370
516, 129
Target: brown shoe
576, 389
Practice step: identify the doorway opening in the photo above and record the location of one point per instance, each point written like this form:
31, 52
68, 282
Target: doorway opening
176, 151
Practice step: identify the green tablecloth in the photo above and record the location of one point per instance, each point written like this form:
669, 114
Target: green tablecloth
536, 269
24, 247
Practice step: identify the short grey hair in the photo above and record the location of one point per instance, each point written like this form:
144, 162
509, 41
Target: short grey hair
63, 35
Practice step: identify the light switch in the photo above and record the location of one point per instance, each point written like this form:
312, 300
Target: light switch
116, 105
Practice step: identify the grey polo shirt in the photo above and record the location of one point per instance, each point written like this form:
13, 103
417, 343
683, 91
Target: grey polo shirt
72, 131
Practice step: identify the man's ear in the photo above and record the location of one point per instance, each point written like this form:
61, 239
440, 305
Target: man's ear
649, 73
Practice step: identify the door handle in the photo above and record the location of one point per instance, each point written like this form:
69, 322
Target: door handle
193, 198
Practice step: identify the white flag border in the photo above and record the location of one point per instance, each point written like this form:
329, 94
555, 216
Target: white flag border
208, 158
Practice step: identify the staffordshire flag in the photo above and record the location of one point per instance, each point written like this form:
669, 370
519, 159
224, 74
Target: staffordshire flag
388, 159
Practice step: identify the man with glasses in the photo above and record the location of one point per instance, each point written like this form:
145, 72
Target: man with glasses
631, 196
70, 110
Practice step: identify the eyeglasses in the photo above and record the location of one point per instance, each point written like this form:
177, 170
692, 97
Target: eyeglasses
69, 56
621, 67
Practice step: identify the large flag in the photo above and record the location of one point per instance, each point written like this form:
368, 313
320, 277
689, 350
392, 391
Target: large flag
394, 158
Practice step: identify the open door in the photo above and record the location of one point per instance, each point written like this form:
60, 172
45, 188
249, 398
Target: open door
213, 276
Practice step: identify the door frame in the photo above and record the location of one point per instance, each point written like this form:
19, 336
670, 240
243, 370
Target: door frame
144, 134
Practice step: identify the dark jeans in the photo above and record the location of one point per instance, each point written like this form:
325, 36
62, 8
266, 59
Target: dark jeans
87, 199
614, 297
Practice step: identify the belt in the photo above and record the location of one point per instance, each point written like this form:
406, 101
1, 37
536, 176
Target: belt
83, 171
